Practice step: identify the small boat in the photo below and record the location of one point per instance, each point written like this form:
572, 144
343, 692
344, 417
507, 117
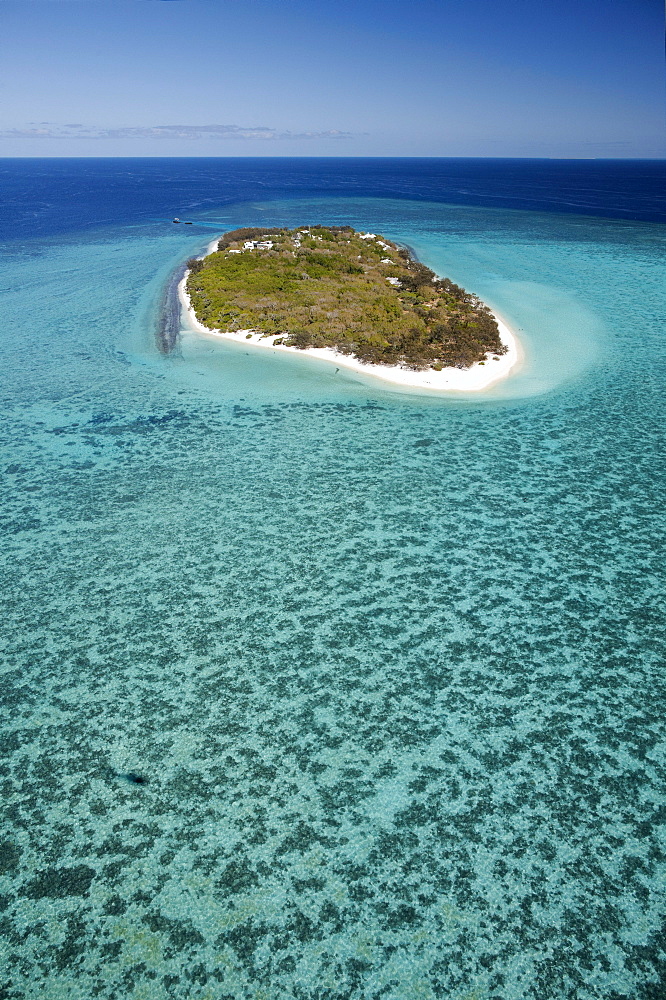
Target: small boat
176, 220
189, 223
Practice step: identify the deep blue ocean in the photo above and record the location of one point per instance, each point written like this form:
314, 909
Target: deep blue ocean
316, 688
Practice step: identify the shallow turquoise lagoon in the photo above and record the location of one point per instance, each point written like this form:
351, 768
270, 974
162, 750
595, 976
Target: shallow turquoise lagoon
389, 666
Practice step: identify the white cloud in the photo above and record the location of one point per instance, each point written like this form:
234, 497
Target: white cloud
50, 130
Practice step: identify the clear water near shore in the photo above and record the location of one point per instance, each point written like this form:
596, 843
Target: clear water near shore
390, 665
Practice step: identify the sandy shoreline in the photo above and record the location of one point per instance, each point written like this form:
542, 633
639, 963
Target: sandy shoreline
479, 376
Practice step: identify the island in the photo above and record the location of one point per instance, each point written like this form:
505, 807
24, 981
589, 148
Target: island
354, 297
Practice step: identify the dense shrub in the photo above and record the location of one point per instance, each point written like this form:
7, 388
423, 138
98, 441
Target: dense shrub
330, 288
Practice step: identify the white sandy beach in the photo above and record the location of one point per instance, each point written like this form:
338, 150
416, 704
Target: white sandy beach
479, 376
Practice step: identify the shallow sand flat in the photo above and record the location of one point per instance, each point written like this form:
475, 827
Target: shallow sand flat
479, 376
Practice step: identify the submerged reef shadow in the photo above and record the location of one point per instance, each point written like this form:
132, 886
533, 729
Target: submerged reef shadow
168, 315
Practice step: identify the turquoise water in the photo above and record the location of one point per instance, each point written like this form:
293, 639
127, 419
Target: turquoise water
389, 665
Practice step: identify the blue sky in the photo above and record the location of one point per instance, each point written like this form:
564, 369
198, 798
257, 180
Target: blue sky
332, 78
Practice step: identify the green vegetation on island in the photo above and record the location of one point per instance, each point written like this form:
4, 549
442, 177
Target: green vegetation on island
330, 286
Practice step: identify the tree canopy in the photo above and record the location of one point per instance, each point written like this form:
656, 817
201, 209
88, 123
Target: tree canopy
330, 286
